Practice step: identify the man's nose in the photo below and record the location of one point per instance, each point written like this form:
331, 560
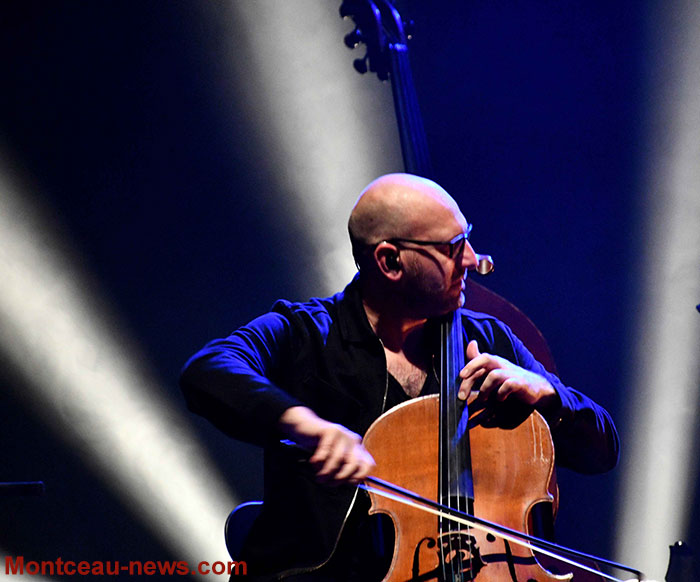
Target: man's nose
469, 258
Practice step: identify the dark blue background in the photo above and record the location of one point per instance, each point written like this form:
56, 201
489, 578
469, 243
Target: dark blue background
534, 113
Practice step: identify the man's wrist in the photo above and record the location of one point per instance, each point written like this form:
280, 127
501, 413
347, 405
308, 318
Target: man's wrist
295, 422
552, 409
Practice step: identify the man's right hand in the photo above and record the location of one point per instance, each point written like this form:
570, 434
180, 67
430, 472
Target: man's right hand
337, 453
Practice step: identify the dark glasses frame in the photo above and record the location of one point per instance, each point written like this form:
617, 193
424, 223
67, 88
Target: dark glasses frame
455, 245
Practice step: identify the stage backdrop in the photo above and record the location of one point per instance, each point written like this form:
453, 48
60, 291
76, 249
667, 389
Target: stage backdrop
147, 149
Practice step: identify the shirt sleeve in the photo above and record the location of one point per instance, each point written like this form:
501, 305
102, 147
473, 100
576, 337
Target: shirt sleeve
231, 381
585, 437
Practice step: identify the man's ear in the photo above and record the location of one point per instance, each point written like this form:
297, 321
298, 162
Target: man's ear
388, 260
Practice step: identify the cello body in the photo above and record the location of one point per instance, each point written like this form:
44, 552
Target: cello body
511, 474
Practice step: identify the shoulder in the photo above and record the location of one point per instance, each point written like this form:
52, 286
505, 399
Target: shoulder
483, 323
494, 336
317, 312
319, 317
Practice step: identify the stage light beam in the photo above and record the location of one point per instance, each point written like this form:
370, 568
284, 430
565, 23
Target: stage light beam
323, 130
88, 382
660, 459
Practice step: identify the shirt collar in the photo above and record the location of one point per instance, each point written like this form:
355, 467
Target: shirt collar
352, 318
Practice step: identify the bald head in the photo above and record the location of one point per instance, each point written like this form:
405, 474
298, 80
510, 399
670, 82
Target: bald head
399, 206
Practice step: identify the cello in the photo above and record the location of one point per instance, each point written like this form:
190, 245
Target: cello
455, 464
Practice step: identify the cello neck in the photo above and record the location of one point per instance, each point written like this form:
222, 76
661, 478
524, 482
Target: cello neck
414, 145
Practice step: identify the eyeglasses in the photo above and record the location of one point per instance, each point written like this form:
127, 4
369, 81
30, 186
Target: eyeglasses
454, 246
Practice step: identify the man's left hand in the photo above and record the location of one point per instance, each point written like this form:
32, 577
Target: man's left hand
501, 379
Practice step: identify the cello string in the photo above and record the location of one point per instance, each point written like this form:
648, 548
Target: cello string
455, 409
497, 532
449, 436
460, 413
444, 465
453, 487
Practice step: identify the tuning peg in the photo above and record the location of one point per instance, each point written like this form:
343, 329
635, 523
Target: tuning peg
352, 39
360, 65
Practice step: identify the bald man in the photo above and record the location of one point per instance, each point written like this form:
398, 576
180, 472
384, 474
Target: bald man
319, 373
